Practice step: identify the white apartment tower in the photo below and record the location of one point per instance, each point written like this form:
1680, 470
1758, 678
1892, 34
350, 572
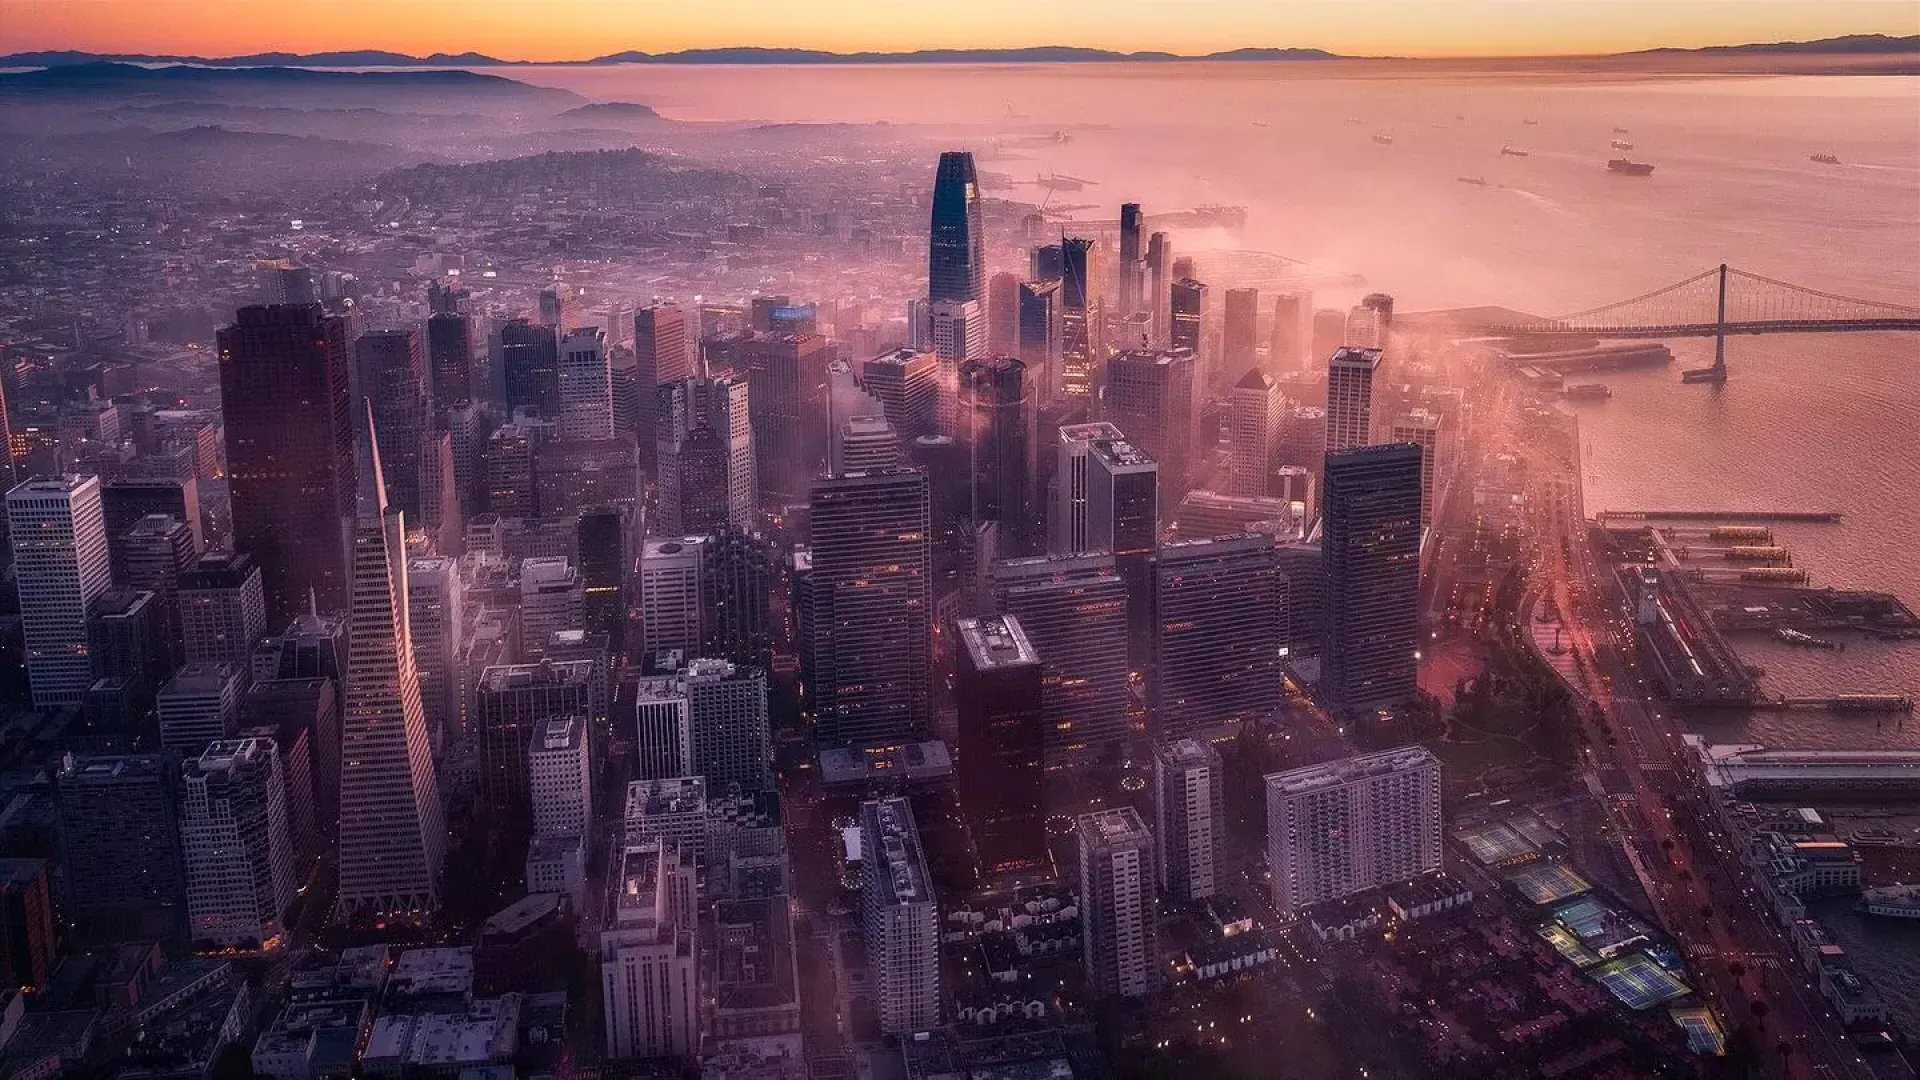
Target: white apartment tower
61, 564
1351, 825
235, 843
1189, 806
901, 917
1350, 374
1119, 937
392, 833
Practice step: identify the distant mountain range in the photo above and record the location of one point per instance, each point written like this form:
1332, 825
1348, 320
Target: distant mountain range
1852, 44
97, 76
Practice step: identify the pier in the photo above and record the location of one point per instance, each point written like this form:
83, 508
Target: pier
1819, 517
1846, 703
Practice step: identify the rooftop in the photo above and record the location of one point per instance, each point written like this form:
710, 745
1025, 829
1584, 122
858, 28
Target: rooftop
559, 733
1120, 452
523, 913
1355, 358
1347, 770
996, 641
898, 868
674, 795
1113, 828
1086, 433
503, 677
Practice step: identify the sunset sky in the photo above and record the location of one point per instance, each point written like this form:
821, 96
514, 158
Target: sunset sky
578, 29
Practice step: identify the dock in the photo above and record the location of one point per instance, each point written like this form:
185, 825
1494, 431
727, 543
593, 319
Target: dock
1845, 703
1820, 517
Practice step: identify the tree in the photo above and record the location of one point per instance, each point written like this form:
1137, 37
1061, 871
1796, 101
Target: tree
1737, 969
1759, 1011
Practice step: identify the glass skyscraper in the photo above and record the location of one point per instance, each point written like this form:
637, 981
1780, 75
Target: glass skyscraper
956, 255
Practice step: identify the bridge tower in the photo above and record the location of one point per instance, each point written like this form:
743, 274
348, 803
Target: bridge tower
1717, 374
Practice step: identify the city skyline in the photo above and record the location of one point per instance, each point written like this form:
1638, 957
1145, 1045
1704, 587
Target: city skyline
1373, 28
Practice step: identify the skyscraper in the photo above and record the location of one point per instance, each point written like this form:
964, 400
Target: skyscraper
127, 642
956, 251
1153, 396
237, 849
788, 377
1351, 825
1189, 804
1003, 313
550, 599
1067, 516
727, 711
901, 918
585, 385
1160, 276
198, 706
1292, 331
120, 841
1187, 302
450, 358
61, 566
661, 357
738, 572
670, 600
124, 502
530, 366
998, 429
1257, 411
510, 701
1073, 611
906, 383
704, 446
649, 960
1038, 341
1370, 541
663, 729
560, 777
601, 539
865, 444
1350, 397
959, 335
997, 686
1123, 520
873, 608
435, 621
1421, 427
1081, 318
290, 463
391, 377
392, 835
1219, 612
1119, 937
1239, 330
1132, 262
222, 609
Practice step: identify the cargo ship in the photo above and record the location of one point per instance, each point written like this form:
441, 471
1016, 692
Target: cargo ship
1476, 181
1508, 151
1892, 901
1624, 167
1383, 140
1591, 391
1621, 144
1789, 636
1825, 158
1618, 130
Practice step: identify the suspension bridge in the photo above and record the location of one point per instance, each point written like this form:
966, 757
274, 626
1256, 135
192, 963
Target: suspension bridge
1716, 303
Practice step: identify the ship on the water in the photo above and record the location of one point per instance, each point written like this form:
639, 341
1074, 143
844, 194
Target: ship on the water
1802, 639
1621, 144
1892, 901
1623, 167
1476, 181
1825, 158
1618, 130
1509, 151
1383, 140
1591, 391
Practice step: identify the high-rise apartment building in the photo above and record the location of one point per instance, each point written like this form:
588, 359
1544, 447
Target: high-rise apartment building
221, 605
585, 385
237, 850
1257, 411
120, 842
1153, 397
560, 777
732, 745
1347, 826
901, 918
284, 401
649, 959
873, 607
956, 252
1350, 374
997, 689
391, 376
1189, 806
1073, 610
61, 566
1219, 610
510, 702
1119, 936
1370, 541
392, 833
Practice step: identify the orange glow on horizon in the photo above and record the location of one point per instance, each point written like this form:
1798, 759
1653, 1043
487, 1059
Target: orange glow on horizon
509, 29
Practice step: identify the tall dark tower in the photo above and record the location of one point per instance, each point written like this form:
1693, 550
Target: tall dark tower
1371, 548
1130, 258
530, 366
450, 358
997, 426
956, 253
997, 683
392, 379
1080, 317
284, 397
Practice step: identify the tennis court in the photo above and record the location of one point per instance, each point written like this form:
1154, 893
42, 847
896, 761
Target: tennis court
1638, 982
1703, 1034
1567, 945
1600, 928
1494, 843
1547, 882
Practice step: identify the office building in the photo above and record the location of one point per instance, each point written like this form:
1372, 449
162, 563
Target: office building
530, 366
1073, 611
673, 809
584, 385
237, 851
1239, 331
732, 745
222, 609
1295, 484
788, 375
1421, 427
1287, 349
314, 646
303, 718
1381, 304
126, 500
391, 376
865, 444
873, 608
61, 566
906, 384
671, 575
1081, 317
998, 414
1350, 374
450, 358
1363, 330
436, 618
649, 958
560, 777
738, 571
127, 642
704, 447
120, 844
1370, 542
959, 335
1160, 278
1123, 520
284, 282
510, 703
1346, 826
1067, 511
1003, 313
1038, 332
26, 923
1189, 807
199, 705
1119, 935
550, 601
392, 834
663, 729
1219, 613
997, 689
1152, 396
601, 539
1187, 303
1257, 411
956, 252
1132, 259
290, 463
901, 918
